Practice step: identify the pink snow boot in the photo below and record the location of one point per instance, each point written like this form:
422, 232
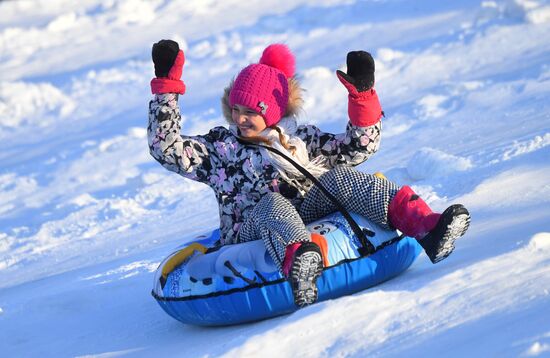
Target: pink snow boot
436, 233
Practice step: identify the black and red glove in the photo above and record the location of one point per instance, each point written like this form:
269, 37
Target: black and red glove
168, 60
363, 105
360, 72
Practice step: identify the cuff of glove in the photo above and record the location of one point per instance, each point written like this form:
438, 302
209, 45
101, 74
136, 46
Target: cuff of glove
166, 85
364, 108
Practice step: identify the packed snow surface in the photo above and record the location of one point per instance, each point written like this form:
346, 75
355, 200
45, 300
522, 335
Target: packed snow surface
86, 214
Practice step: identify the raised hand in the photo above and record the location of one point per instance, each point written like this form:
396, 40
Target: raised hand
169, 61
364, 108
360, 72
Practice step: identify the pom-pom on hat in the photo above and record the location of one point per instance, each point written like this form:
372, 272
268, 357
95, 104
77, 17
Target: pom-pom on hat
263, 87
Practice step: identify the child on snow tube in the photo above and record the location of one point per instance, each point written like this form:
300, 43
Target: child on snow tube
261, 196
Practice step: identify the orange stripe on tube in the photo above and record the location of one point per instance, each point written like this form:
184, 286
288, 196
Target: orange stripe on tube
322, 243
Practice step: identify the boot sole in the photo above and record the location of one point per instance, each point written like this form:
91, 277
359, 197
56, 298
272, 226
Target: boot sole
439, 243
306, 269
455, 229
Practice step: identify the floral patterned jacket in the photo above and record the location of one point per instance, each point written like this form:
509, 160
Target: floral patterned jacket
237, 173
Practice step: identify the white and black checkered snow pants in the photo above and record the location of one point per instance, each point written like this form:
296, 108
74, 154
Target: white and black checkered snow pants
279, 224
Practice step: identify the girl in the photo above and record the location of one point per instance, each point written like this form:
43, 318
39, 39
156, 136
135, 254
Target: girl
261, 195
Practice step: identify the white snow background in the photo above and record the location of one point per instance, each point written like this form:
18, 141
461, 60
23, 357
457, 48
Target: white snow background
86, 215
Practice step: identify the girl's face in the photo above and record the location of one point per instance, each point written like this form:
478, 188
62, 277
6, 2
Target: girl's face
250, 123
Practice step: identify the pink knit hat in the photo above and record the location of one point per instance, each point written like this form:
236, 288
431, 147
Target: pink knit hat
263, 87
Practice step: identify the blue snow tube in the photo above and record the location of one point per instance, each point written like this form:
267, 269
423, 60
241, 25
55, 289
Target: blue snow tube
240, 283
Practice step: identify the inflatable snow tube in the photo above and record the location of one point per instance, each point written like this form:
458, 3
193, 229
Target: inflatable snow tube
240, 283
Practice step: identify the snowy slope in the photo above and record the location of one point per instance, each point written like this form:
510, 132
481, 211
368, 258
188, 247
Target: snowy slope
86, 214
